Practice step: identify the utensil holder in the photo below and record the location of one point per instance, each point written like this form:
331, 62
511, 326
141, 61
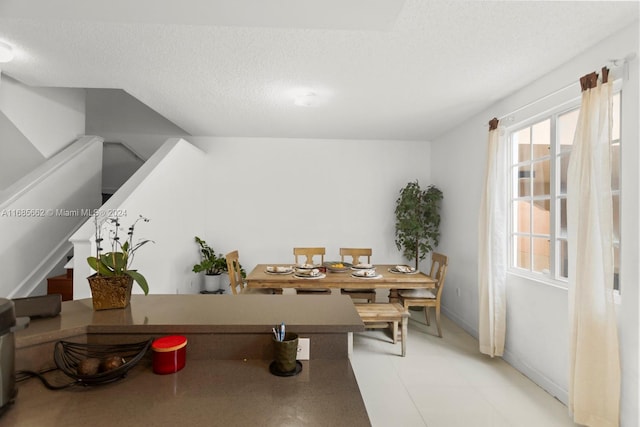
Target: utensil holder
285, 353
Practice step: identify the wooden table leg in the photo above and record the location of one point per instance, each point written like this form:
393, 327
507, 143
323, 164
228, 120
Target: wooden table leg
393, 296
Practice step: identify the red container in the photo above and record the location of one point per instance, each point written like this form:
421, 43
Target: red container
169, 354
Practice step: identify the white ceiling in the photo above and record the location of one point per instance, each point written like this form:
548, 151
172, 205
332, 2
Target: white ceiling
382, 69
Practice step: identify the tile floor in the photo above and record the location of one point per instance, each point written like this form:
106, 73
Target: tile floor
446, 382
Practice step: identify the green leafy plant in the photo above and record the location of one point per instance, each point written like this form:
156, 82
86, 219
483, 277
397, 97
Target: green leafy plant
119, 260
210, 263
417, 220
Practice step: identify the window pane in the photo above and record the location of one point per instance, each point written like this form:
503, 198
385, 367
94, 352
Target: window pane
541, 254
541, 139
563, 164
521, 145
541, 217
541, 178
521, 216
616, 267
523, 252
615, 131
539, 187
616, 217
563, 217
524, 181
564, 260
566, 129
615, 166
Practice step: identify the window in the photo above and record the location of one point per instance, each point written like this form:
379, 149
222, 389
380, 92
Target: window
539, 157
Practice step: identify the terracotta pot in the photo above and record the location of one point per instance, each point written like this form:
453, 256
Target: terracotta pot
110, 292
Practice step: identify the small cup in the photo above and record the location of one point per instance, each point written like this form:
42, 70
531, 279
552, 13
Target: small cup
285, 352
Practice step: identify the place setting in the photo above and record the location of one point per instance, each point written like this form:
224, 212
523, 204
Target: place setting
308, 273
366, 273
363, 266
403, 269
278, 269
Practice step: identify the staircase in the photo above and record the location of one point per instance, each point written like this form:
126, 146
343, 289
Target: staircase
62, 285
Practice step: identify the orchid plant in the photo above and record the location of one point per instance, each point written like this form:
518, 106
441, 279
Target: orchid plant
118, 261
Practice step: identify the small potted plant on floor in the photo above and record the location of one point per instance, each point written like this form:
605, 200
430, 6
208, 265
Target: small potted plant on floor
212, 265
111, 284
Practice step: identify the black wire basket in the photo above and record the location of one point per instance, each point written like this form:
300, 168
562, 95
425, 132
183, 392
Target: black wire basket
67, 355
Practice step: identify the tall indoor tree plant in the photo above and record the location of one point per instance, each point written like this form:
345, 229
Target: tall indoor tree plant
418, 220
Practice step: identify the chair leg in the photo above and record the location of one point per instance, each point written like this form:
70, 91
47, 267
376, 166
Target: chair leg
438, 321
403, 328
426, 315
395, 332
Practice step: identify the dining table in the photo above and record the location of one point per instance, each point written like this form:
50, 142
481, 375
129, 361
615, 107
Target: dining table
386, 276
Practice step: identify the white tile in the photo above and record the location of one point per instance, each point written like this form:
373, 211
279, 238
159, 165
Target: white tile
527, 406
446, 382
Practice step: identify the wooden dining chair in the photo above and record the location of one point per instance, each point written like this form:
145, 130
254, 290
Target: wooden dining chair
308, 256
428, 298
357, 256
236, 281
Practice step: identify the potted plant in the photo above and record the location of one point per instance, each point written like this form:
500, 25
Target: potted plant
417, 220
211, 264
111, 284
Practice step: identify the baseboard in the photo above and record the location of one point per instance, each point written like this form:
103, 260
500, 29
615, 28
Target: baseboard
512, 359
536, 376
470, 329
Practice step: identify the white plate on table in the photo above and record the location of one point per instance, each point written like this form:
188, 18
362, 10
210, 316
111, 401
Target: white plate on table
409, 270
306, 276
362, 267
377, 276
279, 273
306, 266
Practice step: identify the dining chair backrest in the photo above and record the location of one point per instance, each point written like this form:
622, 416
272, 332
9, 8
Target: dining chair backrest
308, 254
425, 297
235, 272
439, 264
355, 254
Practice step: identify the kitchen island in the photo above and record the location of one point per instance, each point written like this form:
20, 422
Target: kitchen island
226, 380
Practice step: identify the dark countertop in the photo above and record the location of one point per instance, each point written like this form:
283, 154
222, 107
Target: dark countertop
198, 314
226, 380
204, 393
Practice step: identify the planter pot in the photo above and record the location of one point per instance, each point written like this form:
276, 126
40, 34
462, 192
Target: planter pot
212, 282
224, 282
110, 292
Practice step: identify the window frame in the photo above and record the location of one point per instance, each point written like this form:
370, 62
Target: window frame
553, 277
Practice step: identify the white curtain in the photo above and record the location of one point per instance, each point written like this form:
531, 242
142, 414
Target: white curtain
594, 371
492, 246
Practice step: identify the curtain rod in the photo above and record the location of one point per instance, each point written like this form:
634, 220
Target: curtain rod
615, 63
542, 98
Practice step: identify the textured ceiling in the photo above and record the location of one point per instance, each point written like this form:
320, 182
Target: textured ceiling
382, 69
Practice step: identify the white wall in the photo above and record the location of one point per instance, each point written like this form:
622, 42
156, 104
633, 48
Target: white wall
119, 117
19, 156
34, 224
166, 189
537, 320
265, 196
50, 118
